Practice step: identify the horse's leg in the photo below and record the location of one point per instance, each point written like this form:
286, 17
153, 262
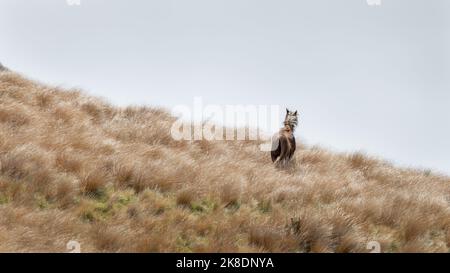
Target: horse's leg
284, 148
286, 161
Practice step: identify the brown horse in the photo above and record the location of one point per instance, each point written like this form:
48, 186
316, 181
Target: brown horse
283, 143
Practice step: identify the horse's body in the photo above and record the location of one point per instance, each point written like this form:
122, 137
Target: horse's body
283, 143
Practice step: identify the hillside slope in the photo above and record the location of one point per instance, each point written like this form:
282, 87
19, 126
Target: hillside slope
75, 168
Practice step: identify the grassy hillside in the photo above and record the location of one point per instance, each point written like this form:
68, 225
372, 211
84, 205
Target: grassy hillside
73, 167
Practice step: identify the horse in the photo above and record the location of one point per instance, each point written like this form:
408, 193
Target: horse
283, 142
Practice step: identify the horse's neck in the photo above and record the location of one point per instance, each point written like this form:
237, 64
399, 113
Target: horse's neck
288, 128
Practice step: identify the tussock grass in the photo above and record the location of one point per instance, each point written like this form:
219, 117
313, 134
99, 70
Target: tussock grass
73, 167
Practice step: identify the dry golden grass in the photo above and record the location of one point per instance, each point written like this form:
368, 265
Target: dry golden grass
75, 168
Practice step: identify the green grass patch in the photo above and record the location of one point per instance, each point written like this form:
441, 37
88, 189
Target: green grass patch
204, 206
265, 206
107, 205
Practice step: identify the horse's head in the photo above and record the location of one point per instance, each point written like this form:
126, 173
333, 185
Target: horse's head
291, 118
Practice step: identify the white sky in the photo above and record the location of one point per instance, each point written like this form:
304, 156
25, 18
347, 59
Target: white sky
366, 78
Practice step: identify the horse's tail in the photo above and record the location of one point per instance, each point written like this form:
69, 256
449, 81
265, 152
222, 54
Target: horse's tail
276, 149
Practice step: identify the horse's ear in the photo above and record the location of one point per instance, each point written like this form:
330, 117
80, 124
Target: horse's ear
295, 113
287, 111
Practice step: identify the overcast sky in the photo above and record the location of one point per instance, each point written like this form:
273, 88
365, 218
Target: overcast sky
370, 78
